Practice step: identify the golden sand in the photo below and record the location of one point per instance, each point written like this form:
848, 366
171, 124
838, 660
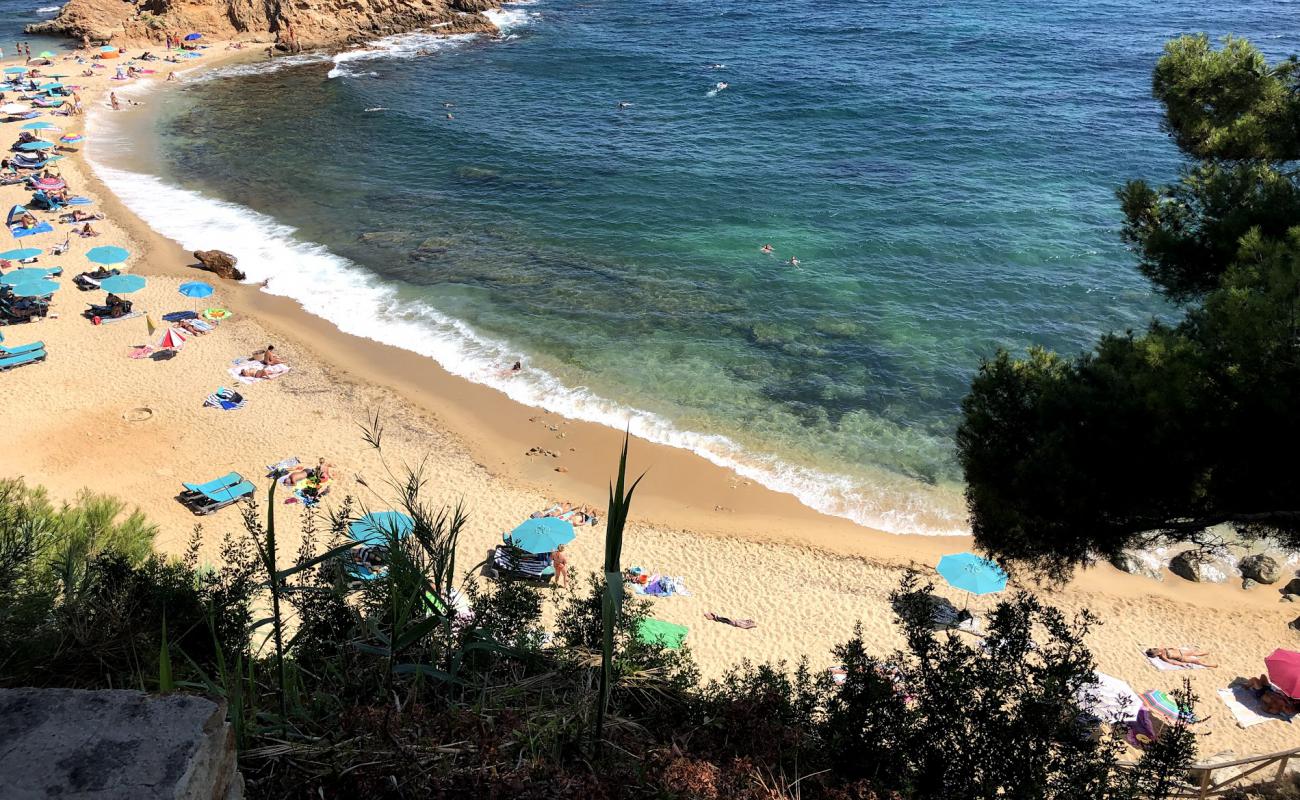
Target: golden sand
743, 551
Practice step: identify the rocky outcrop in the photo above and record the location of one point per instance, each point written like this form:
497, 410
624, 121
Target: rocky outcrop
290, 24
220, 263
115, 745
1199, 566
1261, 568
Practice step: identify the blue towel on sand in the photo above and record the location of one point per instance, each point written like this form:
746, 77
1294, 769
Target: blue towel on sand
177, 316
225, 399
79, 201
19, 231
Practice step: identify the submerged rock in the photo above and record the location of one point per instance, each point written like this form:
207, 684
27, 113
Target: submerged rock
219, 262
1198, 566
1261, 568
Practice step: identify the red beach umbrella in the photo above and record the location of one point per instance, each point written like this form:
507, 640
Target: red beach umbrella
171, 339
1284, 671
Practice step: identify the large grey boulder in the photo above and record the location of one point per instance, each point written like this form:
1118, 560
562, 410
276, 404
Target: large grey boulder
115, 745
1198, 566
1261, 568
1135, 564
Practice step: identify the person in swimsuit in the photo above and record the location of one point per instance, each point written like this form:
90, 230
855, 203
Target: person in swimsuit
1272, 700
767, 248
561, 563
1181, 656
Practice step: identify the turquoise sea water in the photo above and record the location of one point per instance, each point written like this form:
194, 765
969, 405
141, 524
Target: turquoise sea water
944, 172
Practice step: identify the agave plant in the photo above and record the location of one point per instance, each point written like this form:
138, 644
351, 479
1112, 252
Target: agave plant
620, 500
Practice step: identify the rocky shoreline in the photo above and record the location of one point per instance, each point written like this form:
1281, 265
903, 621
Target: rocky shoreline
299, 25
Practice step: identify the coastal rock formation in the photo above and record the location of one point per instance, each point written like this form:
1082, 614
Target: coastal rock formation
219, 262
1292, 588
290, 24
1198, 566
1135, 564
114, 744
1261, 568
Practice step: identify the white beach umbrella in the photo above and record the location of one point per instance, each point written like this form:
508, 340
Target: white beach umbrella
14, 108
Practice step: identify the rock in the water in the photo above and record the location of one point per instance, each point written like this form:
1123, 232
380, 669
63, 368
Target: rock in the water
115, 745
1261, 568
219, 262
1134, 564
1198, 566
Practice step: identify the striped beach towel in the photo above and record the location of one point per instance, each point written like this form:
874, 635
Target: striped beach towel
225, 399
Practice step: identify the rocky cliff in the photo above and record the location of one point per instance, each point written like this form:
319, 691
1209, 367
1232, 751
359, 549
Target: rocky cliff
290, 24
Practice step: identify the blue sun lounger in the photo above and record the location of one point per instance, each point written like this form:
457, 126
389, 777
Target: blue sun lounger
205, 500
229, 479
8, 362
21, 349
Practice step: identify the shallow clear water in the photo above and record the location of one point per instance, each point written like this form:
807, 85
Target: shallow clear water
18, 14
944, 172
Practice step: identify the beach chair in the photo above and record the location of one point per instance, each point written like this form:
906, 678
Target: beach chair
21, 349
208, 502
8, 362
193, 490
510, 563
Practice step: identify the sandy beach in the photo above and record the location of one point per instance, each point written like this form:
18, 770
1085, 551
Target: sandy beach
90, 417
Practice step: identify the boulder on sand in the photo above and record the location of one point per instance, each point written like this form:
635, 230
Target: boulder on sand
1261, 568
1198, 566
219, 262
1135, 564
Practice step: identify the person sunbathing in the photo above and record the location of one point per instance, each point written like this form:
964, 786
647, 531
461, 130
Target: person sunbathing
28, 220
268, 356
80, 216
1181, 656
88, 231
1270, 699
263, 371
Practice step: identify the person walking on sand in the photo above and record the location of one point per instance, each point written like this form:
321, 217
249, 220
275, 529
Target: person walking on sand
112, 101
561, 563
171, 78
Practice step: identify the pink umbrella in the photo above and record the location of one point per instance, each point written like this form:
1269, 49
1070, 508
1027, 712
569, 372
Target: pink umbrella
1284, 671
171, 339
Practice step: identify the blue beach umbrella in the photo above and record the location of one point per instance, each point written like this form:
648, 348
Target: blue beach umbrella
195, 289
542, 535
21, 253
50, 86
38, 126
71, 138
35, 146
973, 574
15, 70
122, 284
192, 36
108, 48
376, 528
16, 276
38, 287
107, 255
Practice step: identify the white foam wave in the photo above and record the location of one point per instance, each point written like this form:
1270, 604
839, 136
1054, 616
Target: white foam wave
402, 45
261, 67
48, 9
509, 18
360, 303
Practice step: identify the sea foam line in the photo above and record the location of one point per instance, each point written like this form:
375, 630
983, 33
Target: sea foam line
359, 303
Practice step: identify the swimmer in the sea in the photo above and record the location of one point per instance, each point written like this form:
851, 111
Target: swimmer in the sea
767, 248
721, 85
624, 104
449, 116
794, 262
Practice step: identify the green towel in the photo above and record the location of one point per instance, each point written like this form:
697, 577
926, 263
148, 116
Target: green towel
664, 634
